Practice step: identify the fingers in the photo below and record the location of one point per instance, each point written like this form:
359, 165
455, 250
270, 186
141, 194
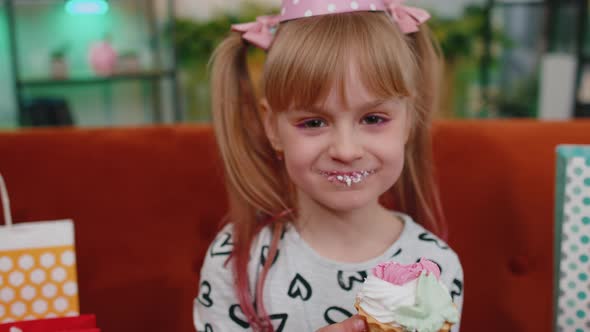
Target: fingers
353, 324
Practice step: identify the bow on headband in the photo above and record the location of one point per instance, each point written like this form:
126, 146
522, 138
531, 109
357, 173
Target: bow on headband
408, 18
261, 32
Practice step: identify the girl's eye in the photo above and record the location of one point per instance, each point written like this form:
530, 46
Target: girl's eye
373, 120
312, 123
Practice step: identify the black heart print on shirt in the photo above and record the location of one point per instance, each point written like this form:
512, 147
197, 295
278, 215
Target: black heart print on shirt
335, 315
237, 316
208, 328
439, 266
429, 238
399, 251
457, 289
283, 320
223, 246
264, 254
205, 294
347, 281
299, 287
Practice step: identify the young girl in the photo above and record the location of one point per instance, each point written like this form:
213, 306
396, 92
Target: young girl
315, 165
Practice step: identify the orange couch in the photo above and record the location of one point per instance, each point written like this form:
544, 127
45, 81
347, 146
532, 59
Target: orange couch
147, 202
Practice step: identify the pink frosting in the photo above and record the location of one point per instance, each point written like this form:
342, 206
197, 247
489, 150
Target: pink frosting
399, 274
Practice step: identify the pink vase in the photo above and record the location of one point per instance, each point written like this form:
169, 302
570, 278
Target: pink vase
102, 58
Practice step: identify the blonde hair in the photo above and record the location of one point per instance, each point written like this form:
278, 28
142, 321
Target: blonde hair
309, 57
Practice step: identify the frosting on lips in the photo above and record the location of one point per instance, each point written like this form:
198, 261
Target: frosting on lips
408, 296
347, 178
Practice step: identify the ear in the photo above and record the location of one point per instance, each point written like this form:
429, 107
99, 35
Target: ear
269, 120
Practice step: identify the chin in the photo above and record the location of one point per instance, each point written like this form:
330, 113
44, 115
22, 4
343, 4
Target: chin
345, 201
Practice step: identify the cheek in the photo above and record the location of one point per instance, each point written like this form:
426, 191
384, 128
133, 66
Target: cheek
300, 157
299, 148
299, 152
392, 159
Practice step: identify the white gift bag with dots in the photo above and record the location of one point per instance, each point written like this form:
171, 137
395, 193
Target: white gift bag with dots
572, 239
37, 268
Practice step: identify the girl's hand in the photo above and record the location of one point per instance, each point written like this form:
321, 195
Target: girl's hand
353, 324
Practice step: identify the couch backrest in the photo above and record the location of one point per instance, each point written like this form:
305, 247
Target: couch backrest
148, 201
498, 187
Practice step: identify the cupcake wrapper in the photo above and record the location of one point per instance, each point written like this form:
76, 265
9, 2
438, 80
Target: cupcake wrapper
376, 326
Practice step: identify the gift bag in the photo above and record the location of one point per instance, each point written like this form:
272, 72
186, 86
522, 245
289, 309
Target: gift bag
572, 241
37, 268
83, 323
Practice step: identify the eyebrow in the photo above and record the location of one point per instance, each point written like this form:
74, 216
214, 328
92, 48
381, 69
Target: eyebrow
364, 107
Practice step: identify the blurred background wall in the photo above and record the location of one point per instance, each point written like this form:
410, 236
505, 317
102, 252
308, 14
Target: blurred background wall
494, 53
205, 9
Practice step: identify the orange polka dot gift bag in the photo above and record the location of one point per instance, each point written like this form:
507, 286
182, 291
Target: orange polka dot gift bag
38, 283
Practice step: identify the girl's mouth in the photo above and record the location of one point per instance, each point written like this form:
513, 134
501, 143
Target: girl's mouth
347, 178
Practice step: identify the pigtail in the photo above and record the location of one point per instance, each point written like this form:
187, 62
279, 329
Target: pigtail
252, 173
417, 191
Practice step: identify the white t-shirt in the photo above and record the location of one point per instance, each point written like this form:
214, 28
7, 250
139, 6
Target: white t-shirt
304, 291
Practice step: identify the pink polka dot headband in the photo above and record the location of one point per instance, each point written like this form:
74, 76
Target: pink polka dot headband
261, 32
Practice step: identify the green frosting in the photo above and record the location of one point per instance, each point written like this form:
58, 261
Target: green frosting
433, 308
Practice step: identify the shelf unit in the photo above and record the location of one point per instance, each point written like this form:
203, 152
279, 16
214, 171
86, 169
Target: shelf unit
552, 9
146, 75
150, 78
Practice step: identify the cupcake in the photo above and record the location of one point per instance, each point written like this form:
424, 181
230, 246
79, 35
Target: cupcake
406, 298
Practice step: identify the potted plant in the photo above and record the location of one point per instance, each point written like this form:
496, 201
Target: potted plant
462, 43
194, 43
58, 63
128, 62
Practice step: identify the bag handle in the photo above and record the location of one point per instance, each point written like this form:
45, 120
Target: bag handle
5, 202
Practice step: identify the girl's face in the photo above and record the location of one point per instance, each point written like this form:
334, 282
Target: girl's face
342, 158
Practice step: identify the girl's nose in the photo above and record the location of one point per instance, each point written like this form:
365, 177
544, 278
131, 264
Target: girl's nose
345, 147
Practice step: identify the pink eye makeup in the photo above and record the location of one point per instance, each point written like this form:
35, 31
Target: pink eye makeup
311, 123
374, 119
